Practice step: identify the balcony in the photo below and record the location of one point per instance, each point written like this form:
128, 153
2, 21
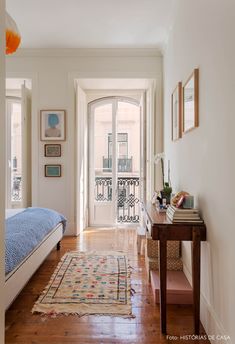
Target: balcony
16, 191
124, 165
127, 196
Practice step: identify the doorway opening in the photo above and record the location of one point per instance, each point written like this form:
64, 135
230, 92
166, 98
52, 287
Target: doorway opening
18, 142
14, 152
114, 150
114, 161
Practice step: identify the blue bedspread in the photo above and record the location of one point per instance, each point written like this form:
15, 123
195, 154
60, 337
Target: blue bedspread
24, 231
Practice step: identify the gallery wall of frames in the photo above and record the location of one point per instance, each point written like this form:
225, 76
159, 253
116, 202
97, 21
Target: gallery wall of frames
185, 106
52, 130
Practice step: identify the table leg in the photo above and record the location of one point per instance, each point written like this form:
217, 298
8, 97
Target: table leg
162, 272
196, 266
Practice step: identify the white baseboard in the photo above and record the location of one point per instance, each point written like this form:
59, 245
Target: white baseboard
213, 327
70, 229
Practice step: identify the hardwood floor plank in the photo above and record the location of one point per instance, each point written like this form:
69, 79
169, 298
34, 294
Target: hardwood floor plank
24, 327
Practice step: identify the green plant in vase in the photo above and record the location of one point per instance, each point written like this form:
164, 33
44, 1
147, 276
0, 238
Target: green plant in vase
166, 192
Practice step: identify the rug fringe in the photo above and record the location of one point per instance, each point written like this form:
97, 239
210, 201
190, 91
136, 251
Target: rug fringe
51, 315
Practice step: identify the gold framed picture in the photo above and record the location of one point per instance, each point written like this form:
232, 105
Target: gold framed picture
176, 113
52, 170
52, 150
191, 102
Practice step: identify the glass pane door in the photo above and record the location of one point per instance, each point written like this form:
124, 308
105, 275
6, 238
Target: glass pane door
101, 165
14, 153
114, 162
128, 157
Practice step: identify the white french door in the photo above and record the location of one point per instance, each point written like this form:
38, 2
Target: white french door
13, 152
18, 150
81, 161
114, 161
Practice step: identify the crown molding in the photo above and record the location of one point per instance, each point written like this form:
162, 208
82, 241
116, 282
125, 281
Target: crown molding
82, 52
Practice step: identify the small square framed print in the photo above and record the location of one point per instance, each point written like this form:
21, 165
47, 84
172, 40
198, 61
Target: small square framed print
52, 170
52, 150
52, 124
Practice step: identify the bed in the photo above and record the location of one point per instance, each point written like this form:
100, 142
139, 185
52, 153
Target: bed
30, 236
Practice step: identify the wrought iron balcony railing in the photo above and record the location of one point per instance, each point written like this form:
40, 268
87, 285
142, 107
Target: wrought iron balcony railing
127, 196
124, 165
16, 191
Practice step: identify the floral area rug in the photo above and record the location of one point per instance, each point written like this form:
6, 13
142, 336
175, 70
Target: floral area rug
88, 283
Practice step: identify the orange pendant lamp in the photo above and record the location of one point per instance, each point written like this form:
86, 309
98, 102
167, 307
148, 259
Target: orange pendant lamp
12, 35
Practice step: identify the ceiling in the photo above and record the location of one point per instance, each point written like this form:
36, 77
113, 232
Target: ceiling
91, 23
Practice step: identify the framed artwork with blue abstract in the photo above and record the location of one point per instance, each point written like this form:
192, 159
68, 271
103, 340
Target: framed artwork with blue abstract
52, 125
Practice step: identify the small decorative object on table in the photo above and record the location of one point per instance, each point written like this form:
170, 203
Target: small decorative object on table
162, 208
154, 197
180, 201
188, 202
166, 193
177, 197
183, 200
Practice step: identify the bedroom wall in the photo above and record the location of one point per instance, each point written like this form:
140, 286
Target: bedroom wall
53, 73
2, 163
203, 161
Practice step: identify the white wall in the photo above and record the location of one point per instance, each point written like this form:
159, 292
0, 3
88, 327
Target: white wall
53, 73
203, 161
2, 163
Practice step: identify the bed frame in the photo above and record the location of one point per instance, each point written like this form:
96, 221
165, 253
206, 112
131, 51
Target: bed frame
17, 279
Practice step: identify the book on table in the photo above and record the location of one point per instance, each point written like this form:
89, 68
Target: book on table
183, 210
177, 215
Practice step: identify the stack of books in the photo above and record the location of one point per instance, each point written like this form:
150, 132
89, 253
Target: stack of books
177, 215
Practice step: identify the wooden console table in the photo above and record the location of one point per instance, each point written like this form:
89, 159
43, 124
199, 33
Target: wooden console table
163, 229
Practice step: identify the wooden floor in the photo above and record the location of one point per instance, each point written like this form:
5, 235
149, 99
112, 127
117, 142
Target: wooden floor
24, 327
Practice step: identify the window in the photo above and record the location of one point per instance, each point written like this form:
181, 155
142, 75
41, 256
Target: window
14, 152
122, 145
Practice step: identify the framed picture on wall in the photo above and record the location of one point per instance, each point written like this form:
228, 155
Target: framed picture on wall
52, 150
176, 113
52, 125
52, 170
191, 102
